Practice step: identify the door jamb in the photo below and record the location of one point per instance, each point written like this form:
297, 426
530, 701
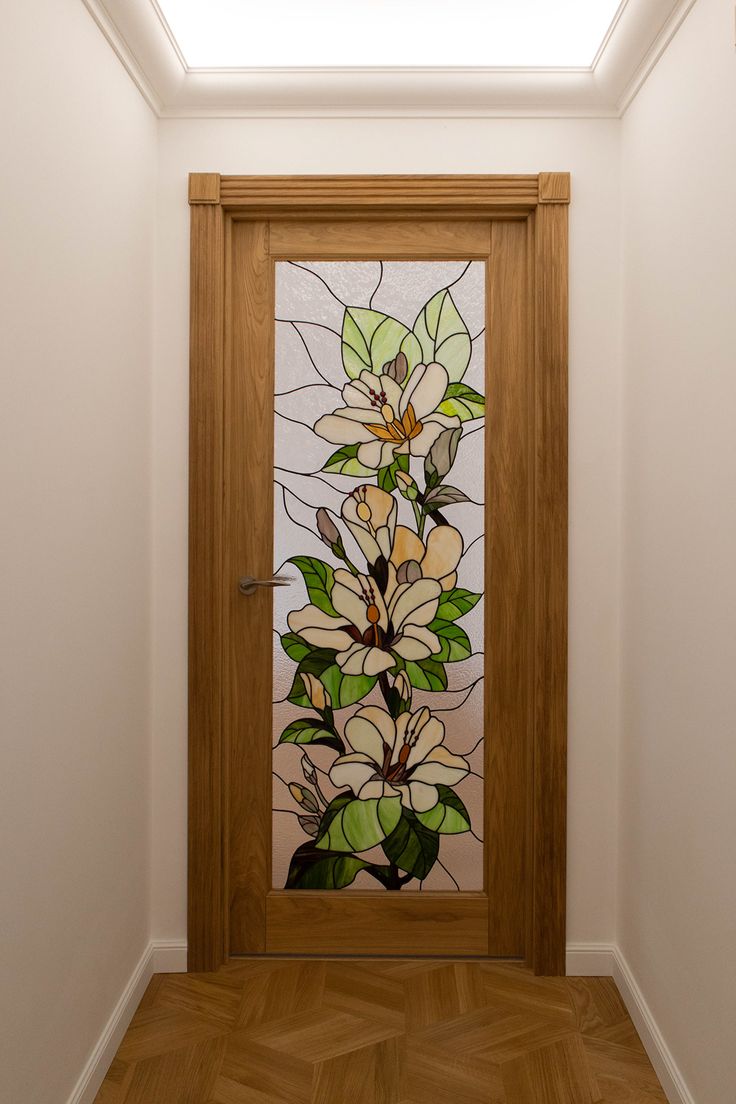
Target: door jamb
214, 199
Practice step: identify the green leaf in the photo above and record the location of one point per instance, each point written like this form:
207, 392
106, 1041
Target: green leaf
343, 689
444, 495
345, 462
456, 603
387, 476
311, 868
308, 730
449, 816
411, 846
294, 646
454, 641
319, 579
463, 402
355, 825
443, 335
427, 674
370, 339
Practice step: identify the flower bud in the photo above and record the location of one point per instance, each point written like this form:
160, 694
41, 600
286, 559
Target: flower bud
403, 686
409, 572
328, 531
309, 770
303, 797
407, 486
315, 691
309, 824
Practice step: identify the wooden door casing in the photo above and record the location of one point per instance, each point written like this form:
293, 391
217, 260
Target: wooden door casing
239, 225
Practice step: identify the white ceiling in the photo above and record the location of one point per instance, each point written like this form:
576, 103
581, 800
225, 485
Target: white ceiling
389, 57
486, 33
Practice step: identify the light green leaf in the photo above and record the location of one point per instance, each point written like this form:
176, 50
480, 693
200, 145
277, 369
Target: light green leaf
454, 641
443, 335
456, 603
345, 462
311, 731
463, 401
358, 825
343, 689
370, 339
387, 475
319, 579
426, 675
296, 648
449, 816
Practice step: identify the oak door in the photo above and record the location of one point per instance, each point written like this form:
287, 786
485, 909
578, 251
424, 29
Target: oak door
344, 793
377, 710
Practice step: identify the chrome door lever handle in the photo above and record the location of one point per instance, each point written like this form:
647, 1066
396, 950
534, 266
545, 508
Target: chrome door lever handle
248, 585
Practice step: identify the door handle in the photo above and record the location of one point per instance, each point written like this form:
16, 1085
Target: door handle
248, 585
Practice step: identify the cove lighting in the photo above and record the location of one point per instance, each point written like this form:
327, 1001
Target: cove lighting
224, 34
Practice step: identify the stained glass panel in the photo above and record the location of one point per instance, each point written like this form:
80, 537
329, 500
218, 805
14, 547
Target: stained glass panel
379, 519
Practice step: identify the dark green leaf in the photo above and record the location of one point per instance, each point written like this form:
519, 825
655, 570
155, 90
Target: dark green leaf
387, 476
295, 647
355, 825
454, 641
343, 689
411, 846
463, 402
427, 674
456, 603
311, 868
311, 731
319, 579
449, 816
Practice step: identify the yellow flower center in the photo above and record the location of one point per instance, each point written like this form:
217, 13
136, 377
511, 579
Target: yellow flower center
396, 430
363, 511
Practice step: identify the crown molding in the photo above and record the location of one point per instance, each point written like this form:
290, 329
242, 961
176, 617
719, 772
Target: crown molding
143, 41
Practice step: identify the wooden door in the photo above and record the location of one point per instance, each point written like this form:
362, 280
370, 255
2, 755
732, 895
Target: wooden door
378, 774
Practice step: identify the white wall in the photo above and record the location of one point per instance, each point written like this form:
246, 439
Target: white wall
590, 150
77, 179
677, 908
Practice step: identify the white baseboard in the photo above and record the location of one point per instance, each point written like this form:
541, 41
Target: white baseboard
161, 956
607, 960
660, 1055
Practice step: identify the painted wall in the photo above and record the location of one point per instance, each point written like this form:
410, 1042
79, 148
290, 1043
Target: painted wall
590, 150
677, 897
77, 176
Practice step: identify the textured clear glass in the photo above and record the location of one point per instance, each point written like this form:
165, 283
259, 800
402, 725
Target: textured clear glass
379, 519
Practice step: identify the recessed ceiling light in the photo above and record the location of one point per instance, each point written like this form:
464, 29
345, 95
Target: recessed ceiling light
326, 33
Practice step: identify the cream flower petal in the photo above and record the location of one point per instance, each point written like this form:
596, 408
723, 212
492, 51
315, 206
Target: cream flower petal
374, 534
340, 429
369, 730
444, 549
425, 389
360, 659
429, 737
431, 429
422, 797
376, 454
449, 581
441, 766
319, 629
407, 545
377, 788
352, 770
347, 598
415, 603
415, 643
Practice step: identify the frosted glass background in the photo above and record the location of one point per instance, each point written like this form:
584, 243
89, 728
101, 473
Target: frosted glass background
311, 301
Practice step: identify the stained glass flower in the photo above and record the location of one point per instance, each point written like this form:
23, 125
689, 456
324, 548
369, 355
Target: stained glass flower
435, 558
370, 515
372, 629
386, 421
405, 758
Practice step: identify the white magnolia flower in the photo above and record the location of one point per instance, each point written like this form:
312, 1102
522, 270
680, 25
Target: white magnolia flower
437, 558
403, 758
370, 515
370, 626
385, 420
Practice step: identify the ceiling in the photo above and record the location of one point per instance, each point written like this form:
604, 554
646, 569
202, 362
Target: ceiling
335, 57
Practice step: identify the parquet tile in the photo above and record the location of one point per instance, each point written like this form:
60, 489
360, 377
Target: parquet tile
264, 1031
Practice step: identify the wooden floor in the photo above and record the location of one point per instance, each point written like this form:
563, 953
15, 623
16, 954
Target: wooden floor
380, 1032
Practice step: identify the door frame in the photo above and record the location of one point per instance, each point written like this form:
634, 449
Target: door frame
540, 200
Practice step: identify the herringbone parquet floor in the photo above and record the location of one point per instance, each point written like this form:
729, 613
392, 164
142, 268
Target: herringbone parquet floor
379, 1032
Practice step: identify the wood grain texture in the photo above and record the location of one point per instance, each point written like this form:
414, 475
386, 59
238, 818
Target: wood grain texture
550, 736
554, 187
204, 187
385, 239
249, 551
380, 1032
378, 193
307, 922
206, 428
509, 620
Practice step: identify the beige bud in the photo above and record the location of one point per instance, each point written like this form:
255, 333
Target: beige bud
316, 692
403, 686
